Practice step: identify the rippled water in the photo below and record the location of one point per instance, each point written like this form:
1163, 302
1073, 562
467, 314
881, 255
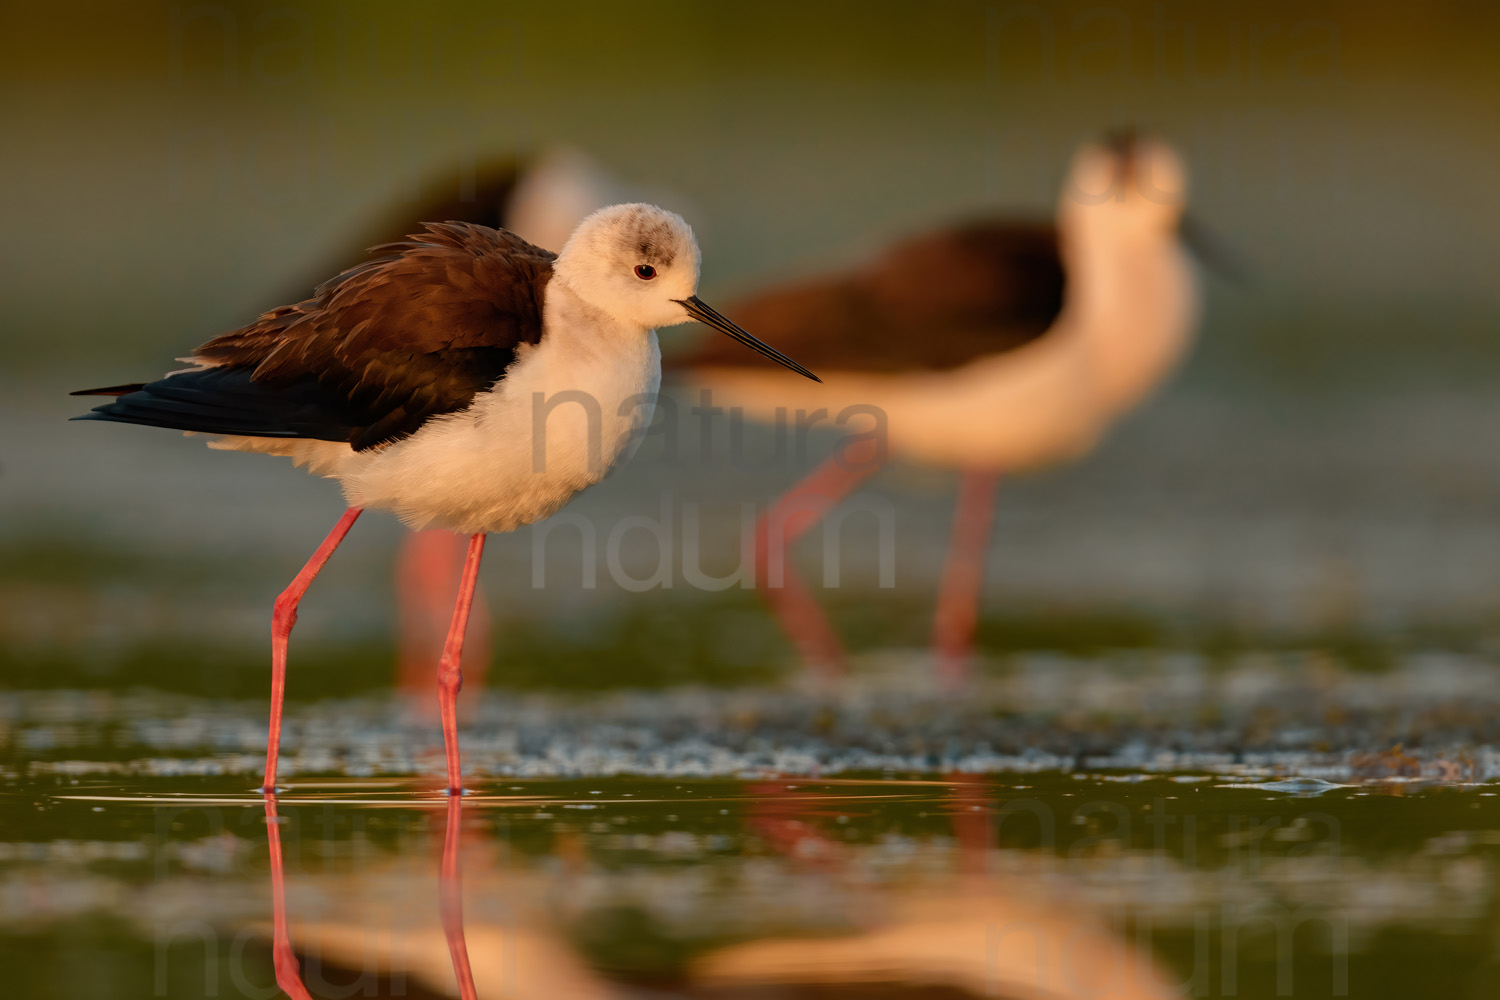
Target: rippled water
765, 843
1054, 884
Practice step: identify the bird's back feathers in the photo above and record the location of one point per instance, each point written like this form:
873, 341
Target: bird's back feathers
415, 332
931, 303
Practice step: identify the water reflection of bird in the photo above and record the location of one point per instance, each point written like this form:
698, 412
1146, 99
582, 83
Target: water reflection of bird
521, 959
959, 934
412, 379
964, 942
989, 348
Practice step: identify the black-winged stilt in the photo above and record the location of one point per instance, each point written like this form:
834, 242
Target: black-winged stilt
541, 197
462, 379
990, 347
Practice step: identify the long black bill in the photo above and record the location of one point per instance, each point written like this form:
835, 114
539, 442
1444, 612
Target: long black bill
1215, 253
709, 316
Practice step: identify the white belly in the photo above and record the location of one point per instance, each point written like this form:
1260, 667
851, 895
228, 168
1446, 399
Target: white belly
564, 413
1010, 411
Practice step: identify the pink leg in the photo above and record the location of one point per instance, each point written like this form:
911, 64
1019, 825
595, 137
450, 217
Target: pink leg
287, 975
804, 506
282, 620
451, 896
427, 575
450, 671
958, 601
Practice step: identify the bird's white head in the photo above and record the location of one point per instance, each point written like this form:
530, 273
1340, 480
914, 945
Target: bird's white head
639, 263
635, 262
1130, 187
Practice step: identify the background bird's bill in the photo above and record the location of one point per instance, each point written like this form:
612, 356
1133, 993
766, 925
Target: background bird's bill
1212, 250
709, 316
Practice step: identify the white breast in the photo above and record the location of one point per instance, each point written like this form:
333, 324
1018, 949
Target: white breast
564, 413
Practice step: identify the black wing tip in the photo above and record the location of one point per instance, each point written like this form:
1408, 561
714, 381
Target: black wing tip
109, 413
110, 390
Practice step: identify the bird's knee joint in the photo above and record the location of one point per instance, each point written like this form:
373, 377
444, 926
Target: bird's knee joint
284, 610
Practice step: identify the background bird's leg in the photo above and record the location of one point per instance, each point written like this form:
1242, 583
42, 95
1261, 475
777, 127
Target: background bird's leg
958, 600
427, 574
451, 901
288, 977
794, 514
450, 671
282, 619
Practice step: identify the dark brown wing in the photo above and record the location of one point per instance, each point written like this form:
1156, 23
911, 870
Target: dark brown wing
934, 302
416, 332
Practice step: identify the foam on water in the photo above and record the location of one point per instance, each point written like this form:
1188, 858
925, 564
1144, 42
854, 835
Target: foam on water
1433, 719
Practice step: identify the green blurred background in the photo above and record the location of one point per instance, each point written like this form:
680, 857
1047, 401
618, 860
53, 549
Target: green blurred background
1322, 472
167, 164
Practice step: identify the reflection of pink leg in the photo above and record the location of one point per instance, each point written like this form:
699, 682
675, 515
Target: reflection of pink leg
287, 975
973, 825
450, 672
804, 506
451, 897
776, 814
958, 601
427, 575
282, 620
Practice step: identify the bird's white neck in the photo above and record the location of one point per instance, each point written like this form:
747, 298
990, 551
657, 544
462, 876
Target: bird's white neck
1136, 304
610, 367
569, 314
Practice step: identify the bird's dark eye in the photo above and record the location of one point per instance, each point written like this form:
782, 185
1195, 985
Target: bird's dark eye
645, 272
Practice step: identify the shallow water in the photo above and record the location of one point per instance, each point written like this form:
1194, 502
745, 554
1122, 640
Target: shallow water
771, 843
1054, 884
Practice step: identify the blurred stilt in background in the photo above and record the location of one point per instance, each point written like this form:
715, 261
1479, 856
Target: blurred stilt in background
988, 347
